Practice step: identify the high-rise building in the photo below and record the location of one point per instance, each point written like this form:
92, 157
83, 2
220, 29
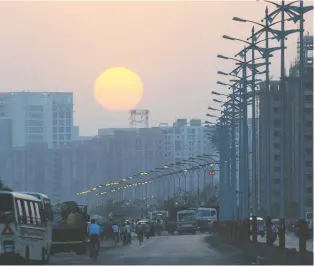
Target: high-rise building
38, 117
292, 124
185, 140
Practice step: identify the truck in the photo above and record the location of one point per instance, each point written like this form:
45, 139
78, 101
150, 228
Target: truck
205, 218
171, 220
186, 221
69, 228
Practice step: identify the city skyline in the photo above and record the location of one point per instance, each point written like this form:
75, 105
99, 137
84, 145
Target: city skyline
58, 60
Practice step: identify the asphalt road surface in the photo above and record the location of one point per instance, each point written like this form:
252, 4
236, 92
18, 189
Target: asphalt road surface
166, 249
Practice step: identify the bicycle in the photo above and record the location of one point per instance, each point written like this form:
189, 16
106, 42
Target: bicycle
94, 248
116, 238
140, 238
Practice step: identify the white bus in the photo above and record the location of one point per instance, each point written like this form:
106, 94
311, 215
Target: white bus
22, 228
47, 208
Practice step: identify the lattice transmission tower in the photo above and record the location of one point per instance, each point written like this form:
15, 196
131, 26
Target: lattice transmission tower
139, 118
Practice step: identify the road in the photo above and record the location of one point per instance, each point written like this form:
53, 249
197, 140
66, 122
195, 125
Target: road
173, 250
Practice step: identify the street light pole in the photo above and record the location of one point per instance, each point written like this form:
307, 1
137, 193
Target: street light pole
254, 178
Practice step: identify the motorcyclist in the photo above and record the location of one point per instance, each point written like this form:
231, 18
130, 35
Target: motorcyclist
94, 232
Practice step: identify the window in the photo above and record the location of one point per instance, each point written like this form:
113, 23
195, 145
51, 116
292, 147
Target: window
68, 130
32, 212
55, 130
309, 150
309, 163
19, 211
309, 177
37, 213
277, 145
61, 114
61, 129
6, 205
309, 137
276, 133
35, 130
276, 169
27, 219
276, 122
276, 110
276, 157
309, 123
309, 190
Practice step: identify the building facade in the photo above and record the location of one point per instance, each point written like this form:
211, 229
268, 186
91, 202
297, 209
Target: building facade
292, 124
38, 117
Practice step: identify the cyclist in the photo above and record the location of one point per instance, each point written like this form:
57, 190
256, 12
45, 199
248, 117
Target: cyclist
128, 231
140, 232
115, 230
94, 233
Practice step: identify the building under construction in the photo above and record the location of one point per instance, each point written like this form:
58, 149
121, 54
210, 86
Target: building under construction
292, 118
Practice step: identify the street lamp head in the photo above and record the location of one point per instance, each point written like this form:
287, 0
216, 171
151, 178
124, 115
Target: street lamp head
228, 37
222, 57
217, 101
221, 83
239, 19
216, 93
222, 73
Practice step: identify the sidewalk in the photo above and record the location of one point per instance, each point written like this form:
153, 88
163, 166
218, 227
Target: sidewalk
291, 242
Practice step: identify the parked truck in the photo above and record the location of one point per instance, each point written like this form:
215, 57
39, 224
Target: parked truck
69, 230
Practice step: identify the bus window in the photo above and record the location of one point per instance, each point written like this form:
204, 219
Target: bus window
6, 206
27, 213
37, 213
32, 212
19, 211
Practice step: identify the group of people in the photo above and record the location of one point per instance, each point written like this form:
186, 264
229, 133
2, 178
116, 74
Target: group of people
94, 233
124, 232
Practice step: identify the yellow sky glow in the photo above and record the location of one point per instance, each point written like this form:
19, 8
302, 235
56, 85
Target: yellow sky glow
118, 89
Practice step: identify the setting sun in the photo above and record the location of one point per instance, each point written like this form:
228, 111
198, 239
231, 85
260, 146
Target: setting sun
118, 89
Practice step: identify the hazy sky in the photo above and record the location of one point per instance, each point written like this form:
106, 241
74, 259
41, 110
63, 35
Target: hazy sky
171, 45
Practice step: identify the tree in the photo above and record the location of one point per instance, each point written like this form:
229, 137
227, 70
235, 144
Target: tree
4, 188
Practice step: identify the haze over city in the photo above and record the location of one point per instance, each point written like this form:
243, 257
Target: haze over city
172, 46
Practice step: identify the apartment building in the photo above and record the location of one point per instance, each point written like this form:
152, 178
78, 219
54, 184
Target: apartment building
292, 119
38, 117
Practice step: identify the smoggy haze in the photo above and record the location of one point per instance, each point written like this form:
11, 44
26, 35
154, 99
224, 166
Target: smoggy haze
172, 46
